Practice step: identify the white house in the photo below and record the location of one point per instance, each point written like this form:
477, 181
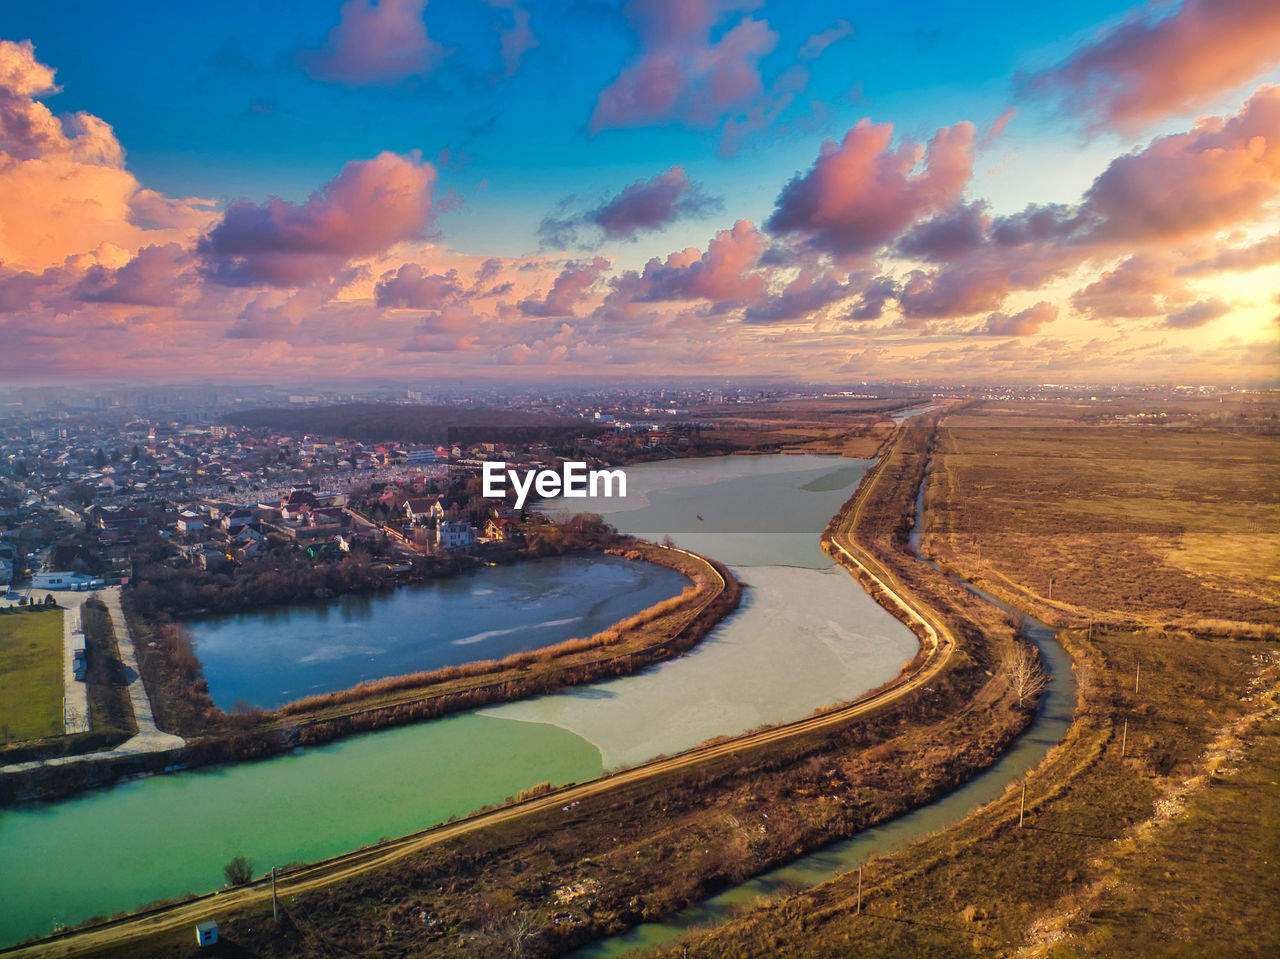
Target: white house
451, 535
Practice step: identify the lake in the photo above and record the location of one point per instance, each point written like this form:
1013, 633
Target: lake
272, 656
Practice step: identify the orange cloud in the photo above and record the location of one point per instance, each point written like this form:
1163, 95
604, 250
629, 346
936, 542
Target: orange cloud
65, 188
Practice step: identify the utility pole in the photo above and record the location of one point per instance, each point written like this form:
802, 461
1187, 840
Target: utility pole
1022, 803
859, 891
1137, 671
1124, 739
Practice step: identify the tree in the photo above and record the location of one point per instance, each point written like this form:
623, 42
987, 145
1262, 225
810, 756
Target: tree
238, 871
1021, 669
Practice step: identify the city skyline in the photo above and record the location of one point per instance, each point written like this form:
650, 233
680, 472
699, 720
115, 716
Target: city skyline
506, 192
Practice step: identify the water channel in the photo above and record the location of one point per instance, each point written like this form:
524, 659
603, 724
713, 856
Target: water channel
1053, 717
807, 636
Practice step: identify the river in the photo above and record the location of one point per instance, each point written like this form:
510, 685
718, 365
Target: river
807, 636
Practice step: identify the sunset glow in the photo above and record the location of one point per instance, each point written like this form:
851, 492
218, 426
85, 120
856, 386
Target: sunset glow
519, 191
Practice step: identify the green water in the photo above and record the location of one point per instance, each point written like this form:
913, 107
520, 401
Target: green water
115, 849
806, 636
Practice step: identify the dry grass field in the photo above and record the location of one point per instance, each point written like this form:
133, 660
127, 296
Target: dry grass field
1076, 520
834, 427
1151, 829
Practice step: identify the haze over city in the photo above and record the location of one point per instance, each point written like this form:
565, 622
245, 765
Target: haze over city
568, 192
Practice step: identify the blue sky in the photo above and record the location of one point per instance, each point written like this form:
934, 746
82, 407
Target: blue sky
211, 101
876, 159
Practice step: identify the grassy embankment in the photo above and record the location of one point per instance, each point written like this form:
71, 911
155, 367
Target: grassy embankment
604, 856
31, 662
1130, 843
110, 712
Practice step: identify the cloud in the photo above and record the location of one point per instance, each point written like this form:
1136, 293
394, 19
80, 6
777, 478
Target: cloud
1219, 173
1263, 253
1156, 64
157, 276
652, 204
644, 206
1197, 314
370, 206
1021, 324
860, 193
64, 185
515, 40
725, 273
1175, 192
413, 287
810, 291
21, 75
948, 236
681, 75
378, 44
817, 44
1134, 288
570, 288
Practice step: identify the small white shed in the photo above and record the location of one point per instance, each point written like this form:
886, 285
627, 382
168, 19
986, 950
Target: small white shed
206, 933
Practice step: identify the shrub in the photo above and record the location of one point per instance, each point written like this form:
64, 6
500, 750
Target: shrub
239, 871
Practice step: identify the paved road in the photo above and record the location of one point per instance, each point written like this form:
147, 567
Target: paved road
75, 692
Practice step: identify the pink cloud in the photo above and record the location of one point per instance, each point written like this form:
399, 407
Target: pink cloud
157, 276
1156, 64
949, 235
570, 288
680, 75
413, 287
1025, 323
861, 193
652, 204
725, 273
1132, 289
811, 290
375, 44
1221, 172
370, 206
644, 205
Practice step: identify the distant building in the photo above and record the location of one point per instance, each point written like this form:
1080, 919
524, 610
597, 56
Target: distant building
122, 518
423, 509
451, 535
65, 580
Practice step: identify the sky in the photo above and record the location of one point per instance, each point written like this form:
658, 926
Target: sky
582, 191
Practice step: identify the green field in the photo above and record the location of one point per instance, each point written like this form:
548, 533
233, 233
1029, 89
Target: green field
30, 675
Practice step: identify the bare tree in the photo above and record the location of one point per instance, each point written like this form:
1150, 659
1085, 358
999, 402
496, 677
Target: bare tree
1021, 668
516, 933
